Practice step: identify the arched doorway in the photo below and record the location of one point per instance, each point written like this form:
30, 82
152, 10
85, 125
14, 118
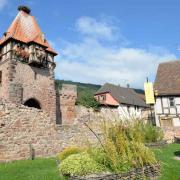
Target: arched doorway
32, 103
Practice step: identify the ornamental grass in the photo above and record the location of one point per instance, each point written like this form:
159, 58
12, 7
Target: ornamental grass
120, 148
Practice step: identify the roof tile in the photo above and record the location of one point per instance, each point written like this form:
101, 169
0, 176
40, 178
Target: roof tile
123, 95
24, 28
167, 80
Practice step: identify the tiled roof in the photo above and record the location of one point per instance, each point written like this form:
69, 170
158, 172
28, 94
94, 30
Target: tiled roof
123, 95
24, 28
168, 78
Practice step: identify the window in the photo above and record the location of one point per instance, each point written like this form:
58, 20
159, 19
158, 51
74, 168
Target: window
0, 54
128, 109
104, 97
0, 78
171, 102
35, 75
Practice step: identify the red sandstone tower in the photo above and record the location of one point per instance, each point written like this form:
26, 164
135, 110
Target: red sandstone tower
27, 65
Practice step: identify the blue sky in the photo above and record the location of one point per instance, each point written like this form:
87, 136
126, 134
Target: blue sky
98, 41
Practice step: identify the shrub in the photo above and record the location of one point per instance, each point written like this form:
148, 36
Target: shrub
67, 152
143, 132
88, 101
152, 133
80, 164
99, 155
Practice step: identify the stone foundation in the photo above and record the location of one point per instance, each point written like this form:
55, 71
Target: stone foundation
170, 133
150, 172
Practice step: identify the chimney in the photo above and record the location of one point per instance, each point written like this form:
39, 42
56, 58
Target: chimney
25, 9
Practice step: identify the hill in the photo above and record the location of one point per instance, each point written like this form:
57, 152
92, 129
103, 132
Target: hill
86, 93
82, 88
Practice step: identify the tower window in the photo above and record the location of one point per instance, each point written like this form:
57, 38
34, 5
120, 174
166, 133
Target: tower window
35, 75
0, 78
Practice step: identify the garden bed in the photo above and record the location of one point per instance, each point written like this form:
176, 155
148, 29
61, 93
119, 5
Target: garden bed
157, 144
177, 139
136, 173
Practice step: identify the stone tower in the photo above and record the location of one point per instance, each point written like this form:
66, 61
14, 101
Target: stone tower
27, 65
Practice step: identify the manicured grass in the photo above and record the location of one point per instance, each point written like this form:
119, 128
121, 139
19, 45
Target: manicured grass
170, 166
46, 169
39, 169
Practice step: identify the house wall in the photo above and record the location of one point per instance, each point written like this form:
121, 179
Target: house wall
125, 111
107, 99
164, 111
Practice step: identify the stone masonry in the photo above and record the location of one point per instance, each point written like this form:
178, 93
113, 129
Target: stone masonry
68, 96
32, 110
27, 132
27, 70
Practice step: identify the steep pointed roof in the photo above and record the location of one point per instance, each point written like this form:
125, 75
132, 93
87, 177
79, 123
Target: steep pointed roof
24, 28
168, 78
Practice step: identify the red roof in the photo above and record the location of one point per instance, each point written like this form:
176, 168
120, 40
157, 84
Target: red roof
24, 28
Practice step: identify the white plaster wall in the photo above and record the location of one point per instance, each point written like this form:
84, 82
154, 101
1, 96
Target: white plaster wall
158, 107
172, 110
176, 122
166, 111
165, 102
177, 100
162, 111
178, 109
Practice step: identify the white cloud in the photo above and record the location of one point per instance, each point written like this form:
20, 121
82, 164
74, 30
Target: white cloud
3, 3
92, 61
92, 27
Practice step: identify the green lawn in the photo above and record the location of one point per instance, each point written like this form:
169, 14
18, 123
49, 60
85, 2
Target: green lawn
39, 169
46, 169
170, 166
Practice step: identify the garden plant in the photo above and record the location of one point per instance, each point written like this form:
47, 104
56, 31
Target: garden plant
121, 147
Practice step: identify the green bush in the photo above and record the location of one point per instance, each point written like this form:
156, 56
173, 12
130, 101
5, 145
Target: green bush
80, 164
152, 133
99, 155
67, 152
143, 132
88, 101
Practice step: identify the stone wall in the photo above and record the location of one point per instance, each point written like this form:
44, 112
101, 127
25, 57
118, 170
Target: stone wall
170, 133
147, 172
4, 68
21, 82
109, 113
68, 96
28, 131
38, 84
25, 130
